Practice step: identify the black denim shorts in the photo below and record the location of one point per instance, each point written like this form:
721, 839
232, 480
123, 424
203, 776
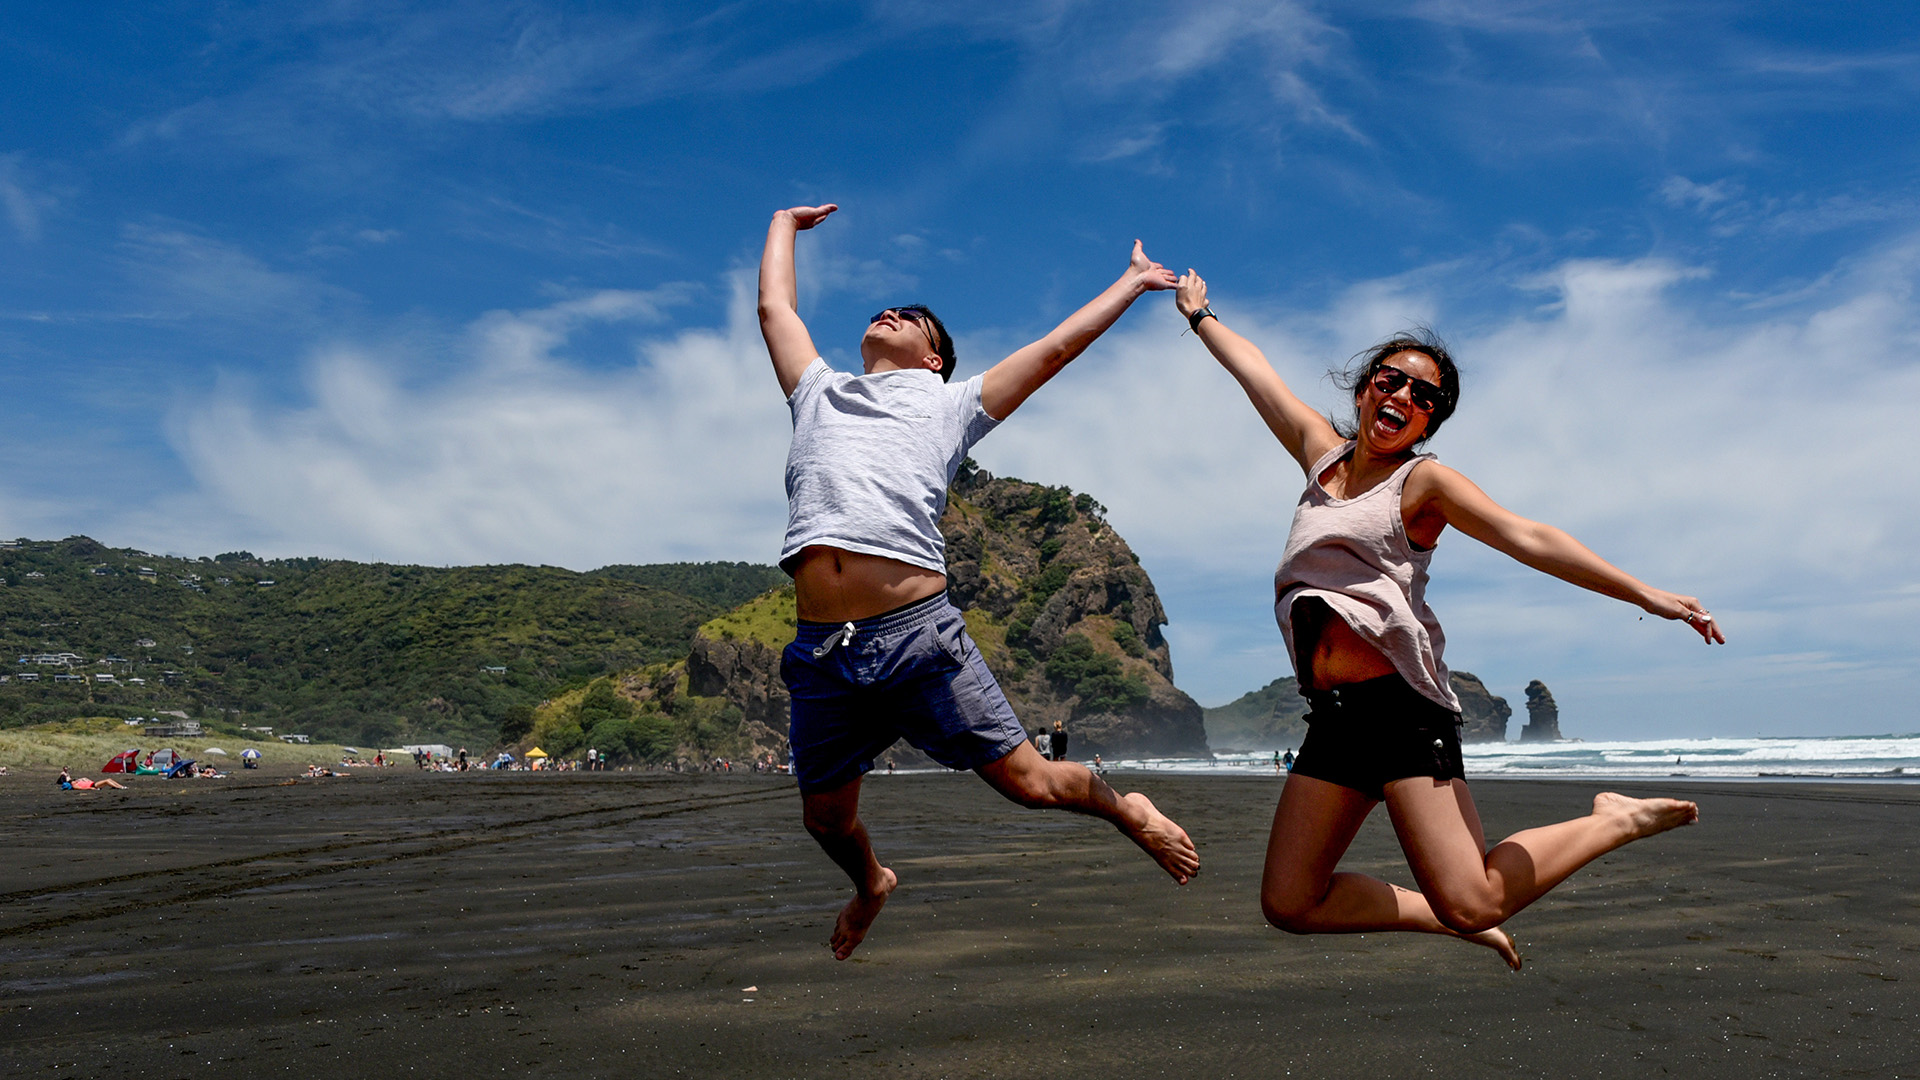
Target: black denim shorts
1365, 735
913, 674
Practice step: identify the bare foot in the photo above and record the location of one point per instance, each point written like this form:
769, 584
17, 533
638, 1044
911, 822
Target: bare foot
1645, 817
857, 917
1497, 940
1159, 837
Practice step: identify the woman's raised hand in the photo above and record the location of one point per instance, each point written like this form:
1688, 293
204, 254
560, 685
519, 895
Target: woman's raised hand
1192, 294
1151, 274
806, 217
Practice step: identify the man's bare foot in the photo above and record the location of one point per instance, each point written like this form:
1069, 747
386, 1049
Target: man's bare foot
1497, 940
1645, 817
1159, 837
857, 917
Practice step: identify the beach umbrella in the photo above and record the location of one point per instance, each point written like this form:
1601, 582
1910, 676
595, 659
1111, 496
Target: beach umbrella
250, 753
351, 749
537, 752
214, 750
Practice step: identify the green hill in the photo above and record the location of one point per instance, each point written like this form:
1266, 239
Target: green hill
364, 652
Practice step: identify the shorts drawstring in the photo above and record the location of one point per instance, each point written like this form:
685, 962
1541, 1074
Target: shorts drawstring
842, 637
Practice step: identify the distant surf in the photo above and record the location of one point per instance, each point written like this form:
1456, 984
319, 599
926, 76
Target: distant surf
1833, 757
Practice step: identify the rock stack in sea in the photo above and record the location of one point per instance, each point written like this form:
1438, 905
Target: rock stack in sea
1543, 716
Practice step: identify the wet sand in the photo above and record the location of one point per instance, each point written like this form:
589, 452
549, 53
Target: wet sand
403, 924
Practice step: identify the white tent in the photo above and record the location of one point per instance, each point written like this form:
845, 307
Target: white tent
435, 749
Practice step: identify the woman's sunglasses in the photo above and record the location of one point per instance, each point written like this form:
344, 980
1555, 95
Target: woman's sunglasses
1388, 380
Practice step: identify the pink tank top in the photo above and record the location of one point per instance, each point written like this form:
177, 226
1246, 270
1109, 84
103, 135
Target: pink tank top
1354, 555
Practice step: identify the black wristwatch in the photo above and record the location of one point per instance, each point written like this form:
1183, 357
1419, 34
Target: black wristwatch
1193, 320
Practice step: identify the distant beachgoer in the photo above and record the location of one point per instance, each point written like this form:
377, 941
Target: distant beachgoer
84, 784
1059, 742
880, 652
1287, 759
1385, 725
1043, 742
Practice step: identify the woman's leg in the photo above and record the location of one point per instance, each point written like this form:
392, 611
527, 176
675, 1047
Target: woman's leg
1302, 893
1472, 889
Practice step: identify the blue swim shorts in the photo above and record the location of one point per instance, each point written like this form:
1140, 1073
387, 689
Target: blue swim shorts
910, 674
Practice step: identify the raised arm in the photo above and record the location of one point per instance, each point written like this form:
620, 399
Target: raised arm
788, 342
1437, 496
1305, 433
1013, 380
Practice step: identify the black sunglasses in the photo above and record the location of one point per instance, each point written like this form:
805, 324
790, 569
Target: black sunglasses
1388, 380
907, 313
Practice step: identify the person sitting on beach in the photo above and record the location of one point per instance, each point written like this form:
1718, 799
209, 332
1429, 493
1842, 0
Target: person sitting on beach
69, 783
880, 653
1350, 597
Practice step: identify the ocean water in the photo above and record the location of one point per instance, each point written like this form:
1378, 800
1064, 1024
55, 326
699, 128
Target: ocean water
1863, 757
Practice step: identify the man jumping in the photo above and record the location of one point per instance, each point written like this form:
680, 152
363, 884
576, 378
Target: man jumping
880, 653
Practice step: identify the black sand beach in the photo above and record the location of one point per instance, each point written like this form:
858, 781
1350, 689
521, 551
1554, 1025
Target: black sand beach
404, 924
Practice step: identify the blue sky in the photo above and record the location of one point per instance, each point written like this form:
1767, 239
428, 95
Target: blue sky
471, 283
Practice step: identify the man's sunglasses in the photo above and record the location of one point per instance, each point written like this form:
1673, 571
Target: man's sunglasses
1388, 380
907, 313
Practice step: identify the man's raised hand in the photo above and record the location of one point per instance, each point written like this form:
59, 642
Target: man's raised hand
1193, 293
806, 217
1151, 274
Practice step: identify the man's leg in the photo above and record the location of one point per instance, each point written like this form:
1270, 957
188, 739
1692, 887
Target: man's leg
1034, 782
833, 819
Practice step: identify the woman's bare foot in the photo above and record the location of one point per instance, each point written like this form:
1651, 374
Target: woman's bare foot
1644, 817
1497, 940
1159, 837
857, 917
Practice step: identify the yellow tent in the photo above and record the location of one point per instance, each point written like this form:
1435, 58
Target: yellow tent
537, 752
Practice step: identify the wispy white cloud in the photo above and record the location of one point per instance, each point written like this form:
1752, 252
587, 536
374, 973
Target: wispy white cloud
177, 272
22, 201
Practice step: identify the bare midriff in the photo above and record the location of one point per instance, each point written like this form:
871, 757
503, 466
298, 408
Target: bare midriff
1332, 653
834, 585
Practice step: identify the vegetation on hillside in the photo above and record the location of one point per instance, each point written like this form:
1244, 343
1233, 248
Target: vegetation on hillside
368, 653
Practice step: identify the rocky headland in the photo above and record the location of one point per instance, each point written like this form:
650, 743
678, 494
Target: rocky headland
1057, 602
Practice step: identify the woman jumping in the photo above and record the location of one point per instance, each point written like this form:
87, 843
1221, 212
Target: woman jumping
1350, 596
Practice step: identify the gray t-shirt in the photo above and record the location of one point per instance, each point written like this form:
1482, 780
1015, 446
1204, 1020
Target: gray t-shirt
871, 459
